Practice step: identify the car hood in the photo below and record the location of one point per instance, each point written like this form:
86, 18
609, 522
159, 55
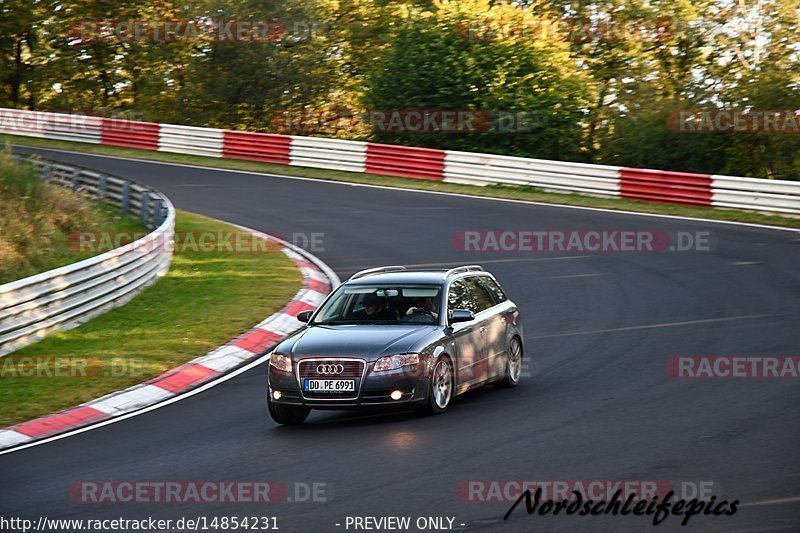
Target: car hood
367, 341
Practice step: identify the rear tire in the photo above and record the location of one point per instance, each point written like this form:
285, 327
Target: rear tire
513, 365
287, 415
440, 390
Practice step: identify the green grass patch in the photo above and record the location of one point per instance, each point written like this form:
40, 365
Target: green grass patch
38, 219
529, 194
206, 299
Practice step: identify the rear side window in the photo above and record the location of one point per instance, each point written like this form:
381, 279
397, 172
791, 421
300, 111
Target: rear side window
458, 297
494, 289
483, 300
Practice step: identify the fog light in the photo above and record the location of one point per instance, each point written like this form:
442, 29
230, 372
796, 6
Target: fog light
396, 395
276, 394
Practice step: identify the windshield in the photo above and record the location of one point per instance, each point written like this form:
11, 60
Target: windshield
382, 304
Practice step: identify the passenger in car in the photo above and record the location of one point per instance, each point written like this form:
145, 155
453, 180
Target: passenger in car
425, 305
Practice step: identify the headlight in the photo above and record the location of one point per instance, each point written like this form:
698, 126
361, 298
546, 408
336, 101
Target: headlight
392, 362
281, 362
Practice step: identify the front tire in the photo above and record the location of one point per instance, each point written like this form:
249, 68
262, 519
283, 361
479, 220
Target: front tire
287, 415
513, 365
442, 385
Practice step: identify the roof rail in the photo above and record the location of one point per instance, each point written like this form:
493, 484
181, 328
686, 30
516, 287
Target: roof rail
465, 268
379, 270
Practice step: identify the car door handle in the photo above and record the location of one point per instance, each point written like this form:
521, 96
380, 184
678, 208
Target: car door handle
483, 330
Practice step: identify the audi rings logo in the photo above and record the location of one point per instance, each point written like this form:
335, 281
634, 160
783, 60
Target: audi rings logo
327, 369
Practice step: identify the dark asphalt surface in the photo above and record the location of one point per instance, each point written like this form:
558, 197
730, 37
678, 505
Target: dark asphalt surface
598, 403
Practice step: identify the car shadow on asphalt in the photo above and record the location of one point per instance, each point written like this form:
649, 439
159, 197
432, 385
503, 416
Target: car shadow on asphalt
320, 420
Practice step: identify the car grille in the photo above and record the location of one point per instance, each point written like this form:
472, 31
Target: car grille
316, 369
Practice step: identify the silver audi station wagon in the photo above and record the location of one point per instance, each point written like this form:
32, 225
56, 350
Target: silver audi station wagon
392, 336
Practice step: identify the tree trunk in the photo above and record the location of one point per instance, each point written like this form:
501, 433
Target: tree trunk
16, 81
593, 122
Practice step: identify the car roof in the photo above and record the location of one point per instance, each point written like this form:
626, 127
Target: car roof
427, 277
434, 277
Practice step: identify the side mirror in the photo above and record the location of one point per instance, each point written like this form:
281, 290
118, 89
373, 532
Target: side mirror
304, 316
461, 315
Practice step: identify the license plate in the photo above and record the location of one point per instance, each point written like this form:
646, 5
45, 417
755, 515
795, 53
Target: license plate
329, 385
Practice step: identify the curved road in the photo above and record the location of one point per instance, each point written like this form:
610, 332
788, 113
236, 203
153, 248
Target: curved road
599, 403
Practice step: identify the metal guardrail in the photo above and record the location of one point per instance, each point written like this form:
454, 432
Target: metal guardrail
63, 298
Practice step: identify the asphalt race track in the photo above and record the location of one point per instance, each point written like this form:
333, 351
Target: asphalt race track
598, 403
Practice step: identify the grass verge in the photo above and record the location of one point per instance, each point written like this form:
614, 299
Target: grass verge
206, 299
37, 220
530, 194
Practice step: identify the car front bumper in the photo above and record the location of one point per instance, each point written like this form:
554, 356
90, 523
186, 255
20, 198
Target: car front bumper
374, 389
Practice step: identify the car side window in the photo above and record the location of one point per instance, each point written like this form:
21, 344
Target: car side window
483, 300
459, 297
494, 289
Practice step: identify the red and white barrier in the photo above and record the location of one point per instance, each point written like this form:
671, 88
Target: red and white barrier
778, 196
263, 147
130, 134
404, 161
558, 176
409, 162
59, 126
318, 281
21, 122
334, 154
190, 140
661, 186
76, 128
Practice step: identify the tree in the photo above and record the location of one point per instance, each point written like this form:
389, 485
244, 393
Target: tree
19, 43
466, 56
